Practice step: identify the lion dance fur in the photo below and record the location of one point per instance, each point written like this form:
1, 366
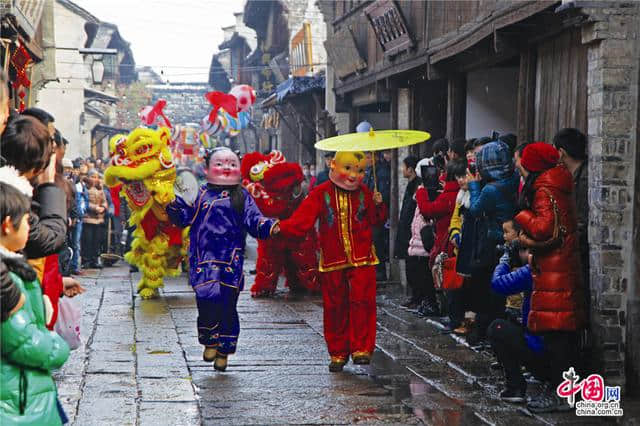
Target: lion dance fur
275, 185
142, 163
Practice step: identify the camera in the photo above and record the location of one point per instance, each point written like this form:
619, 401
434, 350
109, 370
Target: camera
430, 177
473, 169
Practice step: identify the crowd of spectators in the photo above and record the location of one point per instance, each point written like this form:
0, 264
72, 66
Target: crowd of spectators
55, 220
507, 213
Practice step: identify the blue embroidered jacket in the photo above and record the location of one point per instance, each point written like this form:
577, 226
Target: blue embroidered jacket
217, 237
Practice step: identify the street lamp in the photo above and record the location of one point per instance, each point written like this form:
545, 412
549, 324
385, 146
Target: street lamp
97, 69
97, 64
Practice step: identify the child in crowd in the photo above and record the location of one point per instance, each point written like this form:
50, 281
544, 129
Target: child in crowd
514, 345
220, 217
510, 230
29, 350
456, 298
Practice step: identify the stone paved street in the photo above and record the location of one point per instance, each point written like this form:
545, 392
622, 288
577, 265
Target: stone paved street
142, 365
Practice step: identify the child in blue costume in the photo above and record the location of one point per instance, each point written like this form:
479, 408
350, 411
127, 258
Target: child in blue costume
220, 217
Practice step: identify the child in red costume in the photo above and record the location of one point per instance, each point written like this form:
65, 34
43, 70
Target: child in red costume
275, 185
347, 211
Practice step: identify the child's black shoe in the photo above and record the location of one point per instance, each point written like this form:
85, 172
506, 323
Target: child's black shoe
514, 394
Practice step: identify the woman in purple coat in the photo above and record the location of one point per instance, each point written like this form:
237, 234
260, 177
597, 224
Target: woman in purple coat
220, 217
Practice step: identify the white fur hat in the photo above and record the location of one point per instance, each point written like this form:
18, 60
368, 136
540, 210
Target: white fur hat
423, 162
10, 176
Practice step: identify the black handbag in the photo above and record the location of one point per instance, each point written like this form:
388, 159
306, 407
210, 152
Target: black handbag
428, 236
483, 250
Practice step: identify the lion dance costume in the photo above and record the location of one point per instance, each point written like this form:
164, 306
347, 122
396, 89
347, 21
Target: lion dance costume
275, 186
142, 162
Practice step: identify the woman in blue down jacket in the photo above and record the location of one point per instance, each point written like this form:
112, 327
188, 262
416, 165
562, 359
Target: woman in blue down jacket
493, 193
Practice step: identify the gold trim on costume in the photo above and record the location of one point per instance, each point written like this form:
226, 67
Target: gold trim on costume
348, 265
215, 281
344, 208
199, 204
233, 254
273, 226
343, 205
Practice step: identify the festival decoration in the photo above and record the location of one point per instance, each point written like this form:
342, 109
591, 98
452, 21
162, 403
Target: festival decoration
143, 163
230, 113
20, 60
150, 114
275, 186
245, 95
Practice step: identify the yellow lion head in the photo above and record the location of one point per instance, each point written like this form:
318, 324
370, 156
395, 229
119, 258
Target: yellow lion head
143, 162
139, 155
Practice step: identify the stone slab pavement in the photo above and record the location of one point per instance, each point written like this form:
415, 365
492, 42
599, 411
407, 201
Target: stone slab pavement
141, 364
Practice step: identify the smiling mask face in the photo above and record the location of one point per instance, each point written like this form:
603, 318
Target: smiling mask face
224, 168
347, 169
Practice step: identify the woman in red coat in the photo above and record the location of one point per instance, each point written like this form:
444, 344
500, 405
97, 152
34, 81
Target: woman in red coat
557, 303
440, 211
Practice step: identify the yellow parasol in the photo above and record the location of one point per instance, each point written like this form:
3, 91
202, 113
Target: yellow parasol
373, 141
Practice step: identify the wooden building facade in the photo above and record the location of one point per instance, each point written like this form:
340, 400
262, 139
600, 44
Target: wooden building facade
438, 48
469, 68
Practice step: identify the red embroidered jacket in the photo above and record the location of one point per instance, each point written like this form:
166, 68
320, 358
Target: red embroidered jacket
346, 218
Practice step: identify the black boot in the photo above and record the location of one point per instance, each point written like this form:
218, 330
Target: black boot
429, 309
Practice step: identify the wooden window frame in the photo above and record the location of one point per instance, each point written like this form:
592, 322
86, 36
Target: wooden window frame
389, 26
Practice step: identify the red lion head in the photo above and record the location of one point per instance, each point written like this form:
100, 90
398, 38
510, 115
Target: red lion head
273, 183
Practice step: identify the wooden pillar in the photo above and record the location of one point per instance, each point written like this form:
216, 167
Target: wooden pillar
527, 96
394, 268
456, 106
403, 122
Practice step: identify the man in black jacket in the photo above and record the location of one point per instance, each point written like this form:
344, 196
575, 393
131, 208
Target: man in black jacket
323, 176
382, 184
403, 236
572, 145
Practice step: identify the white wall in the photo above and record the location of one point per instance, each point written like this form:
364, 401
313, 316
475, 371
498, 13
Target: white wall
492, 101
65, 100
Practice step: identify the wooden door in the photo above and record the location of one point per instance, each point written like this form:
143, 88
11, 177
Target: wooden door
561, 85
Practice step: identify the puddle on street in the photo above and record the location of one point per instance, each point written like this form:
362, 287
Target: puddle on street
413, 396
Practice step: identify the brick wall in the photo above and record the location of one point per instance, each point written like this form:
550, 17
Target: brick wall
613, 70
